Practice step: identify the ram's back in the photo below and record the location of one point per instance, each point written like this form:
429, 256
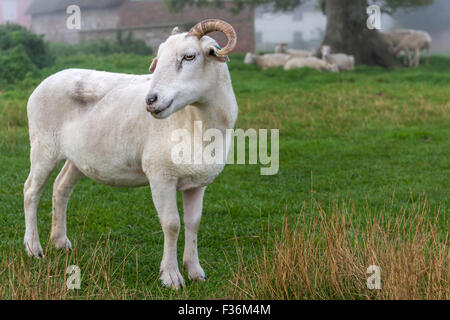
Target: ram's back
65, 94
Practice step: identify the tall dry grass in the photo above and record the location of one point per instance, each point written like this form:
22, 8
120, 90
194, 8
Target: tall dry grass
103, 273
328, 257
325, 257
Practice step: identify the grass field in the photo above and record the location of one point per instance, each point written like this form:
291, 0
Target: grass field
364, 179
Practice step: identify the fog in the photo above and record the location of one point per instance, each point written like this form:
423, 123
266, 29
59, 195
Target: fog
302, 28
305, 26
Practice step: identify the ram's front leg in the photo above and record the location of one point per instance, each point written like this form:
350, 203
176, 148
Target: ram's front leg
165, 200
192, 205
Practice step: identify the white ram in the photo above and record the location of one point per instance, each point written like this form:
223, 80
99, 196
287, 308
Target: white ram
99, 123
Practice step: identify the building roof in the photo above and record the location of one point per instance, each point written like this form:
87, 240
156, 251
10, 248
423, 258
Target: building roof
50, 6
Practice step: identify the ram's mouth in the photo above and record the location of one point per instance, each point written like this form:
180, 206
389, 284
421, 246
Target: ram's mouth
157, 113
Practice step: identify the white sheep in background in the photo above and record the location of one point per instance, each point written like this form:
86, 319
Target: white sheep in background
98, 123
311, 62
283, 48
414, 43
394, 37
344, 61
266, 61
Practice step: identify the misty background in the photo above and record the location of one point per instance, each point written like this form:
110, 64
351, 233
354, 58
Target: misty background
259, 29
305, 26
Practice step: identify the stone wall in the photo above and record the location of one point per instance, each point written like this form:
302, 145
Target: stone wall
155, 13
54, 25
149, 21
152, 35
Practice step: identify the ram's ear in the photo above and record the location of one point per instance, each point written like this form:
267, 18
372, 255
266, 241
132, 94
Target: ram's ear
175, 31
153, 65
212, 51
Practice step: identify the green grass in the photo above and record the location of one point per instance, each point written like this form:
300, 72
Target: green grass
371, 137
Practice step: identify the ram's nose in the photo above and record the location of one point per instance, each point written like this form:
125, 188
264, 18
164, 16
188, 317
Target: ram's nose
151, 99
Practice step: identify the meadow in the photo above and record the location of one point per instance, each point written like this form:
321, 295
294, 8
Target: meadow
364, 180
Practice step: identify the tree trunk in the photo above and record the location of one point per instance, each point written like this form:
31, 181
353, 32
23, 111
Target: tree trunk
347, 32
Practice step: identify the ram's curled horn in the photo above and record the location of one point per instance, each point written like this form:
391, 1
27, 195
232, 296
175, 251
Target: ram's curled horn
212, 25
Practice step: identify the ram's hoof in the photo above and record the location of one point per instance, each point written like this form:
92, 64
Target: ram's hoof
172, 279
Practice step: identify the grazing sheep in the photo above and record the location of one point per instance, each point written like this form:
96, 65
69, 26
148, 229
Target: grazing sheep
414, 43
311, 62
394, 37
266, 61
344, 61
283, 48
98, 123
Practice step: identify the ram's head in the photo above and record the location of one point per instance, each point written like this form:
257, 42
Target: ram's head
187, 66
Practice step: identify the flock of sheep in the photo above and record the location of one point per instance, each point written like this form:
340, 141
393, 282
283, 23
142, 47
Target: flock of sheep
411, 42
292, 59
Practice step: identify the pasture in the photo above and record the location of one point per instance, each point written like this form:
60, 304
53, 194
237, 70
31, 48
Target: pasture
364, 179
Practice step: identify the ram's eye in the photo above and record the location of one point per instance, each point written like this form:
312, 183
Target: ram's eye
189, 57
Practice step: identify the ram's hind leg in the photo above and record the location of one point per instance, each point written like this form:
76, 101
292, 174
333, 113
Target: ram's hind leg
62, 189
42, 165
